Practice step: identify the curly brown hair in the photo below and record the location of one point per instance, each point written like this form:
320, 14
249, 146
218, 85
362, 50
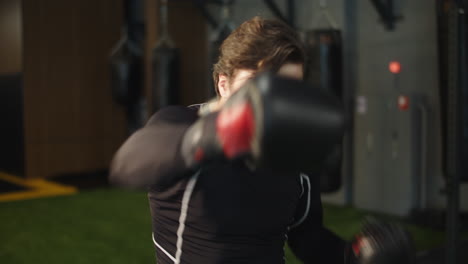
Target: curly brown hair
258, 44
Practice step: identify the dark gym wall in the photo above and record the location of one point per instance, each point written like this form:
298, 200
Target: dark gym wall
385, 137
71, 122
10, 35
11, 112
188, 30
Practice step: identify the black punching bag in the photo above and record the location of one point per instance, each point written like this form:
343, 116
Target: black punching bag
324, 71
165, 66
324, 68
126, 65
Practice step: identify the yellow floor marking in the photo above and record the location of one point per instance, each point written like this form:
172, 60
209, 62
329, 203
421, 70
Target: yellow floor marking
38, 188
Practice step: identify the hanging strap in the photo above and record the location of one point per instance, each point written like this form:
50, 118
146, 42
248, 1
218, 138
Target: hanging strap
226, 20
164, 37
326, 15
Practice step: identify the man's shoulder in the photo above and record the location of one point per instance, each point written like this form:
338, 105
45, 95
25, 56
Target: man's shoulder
196, 107
174, 113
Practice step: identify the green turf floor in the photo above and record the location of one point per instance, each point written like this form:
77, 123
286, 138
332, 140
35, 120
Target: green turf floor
113, 226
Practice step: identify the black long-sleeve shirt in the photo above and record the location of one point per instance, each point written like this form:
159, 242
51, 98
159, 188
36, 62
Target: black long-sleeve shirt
223, 211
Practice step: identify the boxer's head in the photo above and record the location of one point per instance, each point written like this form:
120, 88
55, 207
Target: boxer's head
257, 45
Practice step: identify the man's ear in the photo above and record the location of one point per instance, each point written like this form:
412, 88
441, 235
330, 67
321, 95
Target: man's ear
223, 86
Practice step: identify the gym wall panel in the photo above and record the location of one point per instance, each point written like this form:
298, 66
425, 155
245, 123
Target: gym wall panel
188, 28
401, 161
71, 122
151, 31
56, 157
11, 88
10, 35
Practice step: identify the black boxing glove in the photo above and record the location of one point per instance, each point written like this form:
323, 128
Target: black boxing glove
274, 121
381, 243
229, 132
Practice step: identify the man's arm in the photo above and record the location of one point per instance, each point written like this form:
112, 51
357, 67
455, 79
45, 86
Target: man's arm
151, 156
378, 242
308, 238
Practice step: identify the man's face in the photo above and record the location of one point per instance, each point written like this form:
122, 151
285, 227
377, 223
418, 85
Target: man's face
227, 86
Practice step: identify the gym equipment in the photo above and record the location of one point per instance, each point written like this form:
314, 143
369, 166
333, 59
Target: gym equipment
387, 13
294, 128
324, 71
277, 12
381, 242
126, 65
165, 66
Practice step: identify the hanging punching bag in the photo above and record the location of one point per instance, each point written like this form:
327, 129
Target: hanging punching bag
324, 71
126, 65
324, 48
165, 66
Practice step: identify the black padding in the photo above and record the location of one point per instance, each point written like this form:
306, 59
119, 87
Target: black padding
325, 66
126, 74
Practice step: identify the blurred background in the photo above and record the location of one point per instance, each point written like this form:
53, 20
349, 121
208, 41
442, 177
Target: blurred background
77, 77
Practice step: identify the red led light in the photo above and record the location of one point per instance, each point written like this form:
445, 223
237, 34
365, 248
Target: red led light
403, 102
394, 67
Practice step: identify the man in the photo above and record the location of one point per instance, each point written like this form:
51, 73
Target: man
210, 202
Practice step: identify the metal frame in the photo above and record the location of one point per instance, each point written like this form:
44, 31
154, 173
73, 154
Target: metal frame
452, 179
456, 50
201, 5
386, 12
289, 18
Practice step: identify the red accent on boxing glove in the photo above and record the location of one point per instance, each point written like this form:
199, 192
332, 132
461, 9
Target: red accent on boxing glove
357, 246
235, 127
199, 154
